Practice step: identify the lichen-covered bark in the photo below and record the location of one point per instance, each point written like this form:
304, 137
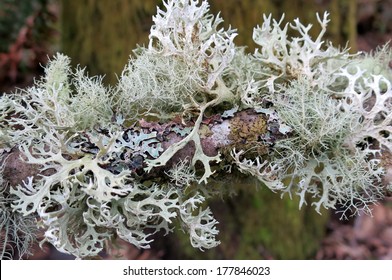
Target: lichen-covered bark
255, 223
217, 135
102, 34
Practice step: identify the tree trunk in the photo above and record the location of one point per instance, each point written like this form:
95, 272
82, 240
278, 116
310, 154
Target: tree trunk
102, 34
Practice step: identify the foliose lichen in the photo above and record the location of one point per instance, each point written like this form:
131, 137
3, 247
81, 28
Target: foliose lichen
321, 124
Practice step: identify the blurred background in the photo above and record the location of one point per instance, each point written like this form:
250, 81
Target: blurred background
255, 223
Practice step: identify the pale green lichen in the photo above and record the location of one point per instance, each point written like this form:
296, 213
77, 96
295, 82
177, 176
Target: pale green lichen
323, 124
201, 227
6, 108
17, 232
182, 175
194, 46
198, 156
339, 116
73, 128
81, 204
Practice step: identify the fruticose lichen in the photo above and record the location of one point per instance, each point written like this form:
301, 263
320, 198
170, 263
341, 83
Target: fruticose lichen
320, 124
18, 232
339, 114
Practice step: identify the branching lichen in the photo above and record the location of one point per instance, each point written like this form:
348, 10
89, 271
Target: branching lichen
303, 117
17, 232
198, 156
338, 113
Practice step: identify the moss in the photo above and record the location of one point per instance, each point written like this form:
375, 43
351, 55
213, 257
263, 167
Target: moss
282, 231
102, 34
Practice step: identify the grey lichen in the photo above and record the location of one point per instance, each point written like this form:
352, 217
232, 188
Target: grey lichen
338, 115
17, 232
305, 118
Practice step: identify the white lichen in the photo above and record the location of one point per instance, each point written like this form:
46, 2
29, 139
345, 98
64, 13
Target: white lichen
201, 226
328, 114
182, 175
337, 118
17, 232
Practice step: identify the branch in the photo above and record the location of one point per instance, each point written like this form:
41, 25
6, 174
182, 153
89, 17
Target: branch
317, 123
246, 130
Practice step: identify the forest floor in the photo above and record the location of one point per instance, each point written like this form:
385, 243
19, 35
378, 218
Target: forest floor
362, 237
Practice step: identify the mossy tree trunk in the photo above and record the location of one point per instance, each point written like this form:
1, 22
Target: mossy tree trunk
102, 34
255, 224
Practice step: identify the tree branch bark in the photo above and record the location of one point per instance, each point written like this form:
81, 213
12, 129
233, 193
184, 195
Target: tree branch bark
245, 130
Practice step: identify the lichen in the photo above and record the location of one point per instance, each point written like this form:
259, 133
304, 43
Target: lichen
305, 118
18, 232
335, 114
198, 156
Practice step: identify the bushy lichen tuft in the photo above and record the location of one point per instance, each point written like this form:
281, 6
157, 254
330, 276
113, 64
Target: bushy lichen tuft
338, 113
17, 232
321, 124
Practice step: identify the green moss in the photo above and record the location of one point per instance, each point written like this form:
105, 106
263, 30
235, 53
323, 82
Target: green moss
102, 34
283, 231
